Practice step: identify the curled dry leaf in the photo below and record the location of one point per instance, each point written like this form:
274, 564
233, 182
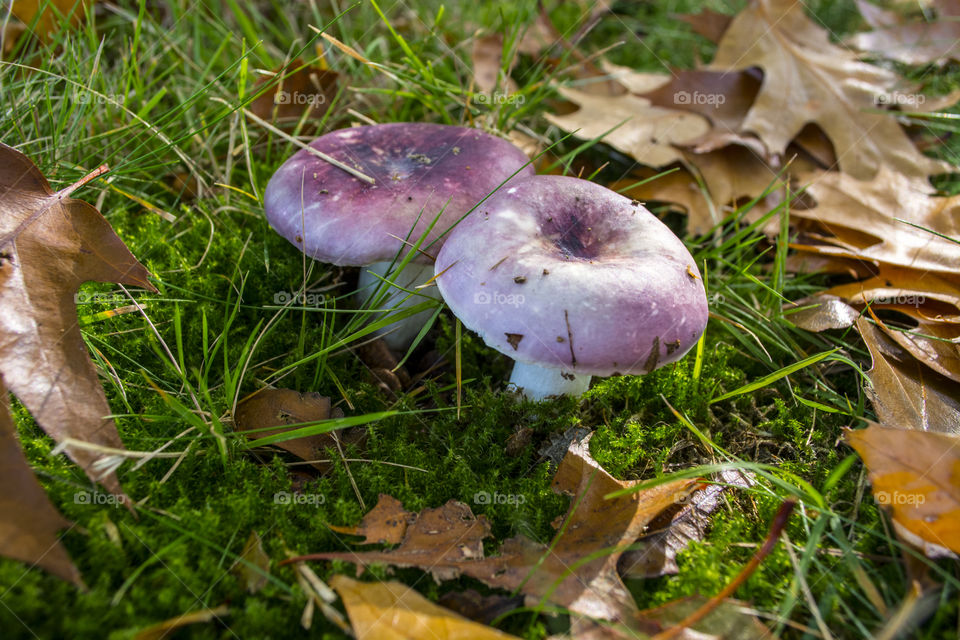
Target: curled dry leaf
487, 58
875, 218
50, 244
823, 312
166, 628
394, 611
917, 475
286, 407
29, 523
674, 529
809, 79
254, 564
447, 542
905, 394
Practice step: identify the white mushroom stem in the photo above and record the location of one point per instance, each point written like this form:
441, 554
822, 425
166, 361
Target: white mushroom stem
400, 334
539, 383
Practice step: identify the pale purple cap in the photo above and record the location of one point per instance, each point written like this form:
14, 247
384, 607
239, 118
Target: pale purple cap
335, 217
566, 274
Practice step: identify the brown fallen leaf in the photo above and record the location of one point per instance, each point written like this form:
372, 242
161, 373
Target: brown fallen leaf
917, 475
29, 523
163, 630
487, 59
877, 17
298, 91
386, 523
723, 97
283, 407
823, 312
50, 15
50, 244
809, 79
480, 608
925, 42
646, 133
252, 554
708, 23
878, 215
394, 611
448, 542
905, 394
674, 529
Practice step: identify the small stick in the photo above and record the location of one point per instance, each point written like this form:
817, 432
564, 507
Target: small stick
779, 522
289, 138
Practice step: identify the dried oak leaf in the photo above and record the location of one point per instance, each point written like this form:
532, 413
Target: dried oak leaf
809, 79
286, 407
29, 523
916, 474
394, 611
873, 220
50, 244
905, 394
644, 132
447, 542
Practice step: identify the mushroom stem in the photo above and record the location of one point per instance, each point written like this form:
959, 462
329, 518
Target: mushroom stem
400, 334
539, 383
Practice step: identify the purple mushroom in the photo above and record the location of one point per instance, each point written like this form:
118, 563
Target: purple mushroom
423, 175
572, 280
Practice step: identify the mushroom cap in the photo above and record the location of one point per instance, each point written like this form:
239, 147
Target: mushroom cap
564, 273
335, 217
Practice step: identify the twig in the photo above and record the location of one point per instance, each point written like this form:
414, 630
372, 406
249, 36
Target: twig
779, 522
286, 136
